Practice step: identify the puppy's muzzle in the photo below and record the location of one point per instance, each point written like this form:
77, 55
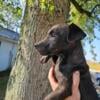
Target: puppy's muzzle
42, 48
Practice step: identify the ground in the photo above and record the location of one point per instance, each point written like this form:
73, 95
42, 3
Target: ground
3, 83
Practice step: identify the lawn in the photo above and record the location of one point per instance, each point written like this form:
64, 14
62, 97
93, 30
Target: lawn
95, 66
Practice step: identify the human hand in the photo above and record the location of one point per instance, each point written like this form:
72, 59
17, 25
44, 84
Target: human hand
75, 86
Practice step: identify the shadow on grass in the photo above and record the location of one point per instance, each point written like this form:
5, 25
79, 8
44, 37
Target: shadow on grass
3, 83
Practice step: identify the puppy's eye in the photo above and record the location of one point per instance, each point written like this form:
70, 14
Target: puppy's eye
52, 34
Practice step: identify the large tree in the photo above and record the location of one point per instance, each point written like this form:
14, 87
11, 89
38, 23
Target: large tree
28, 78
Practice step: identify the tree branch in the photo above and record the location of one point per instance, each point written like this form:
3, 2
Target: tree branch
81, 10
92, 11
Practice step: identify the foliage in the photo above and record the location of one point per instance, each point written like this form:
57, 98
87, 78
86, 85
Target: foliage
10, 13
30, 3
47, 6
88, 11
87, 22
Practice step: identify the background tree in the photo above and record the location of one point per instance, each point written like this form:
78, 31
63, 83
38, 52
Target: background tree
28, 79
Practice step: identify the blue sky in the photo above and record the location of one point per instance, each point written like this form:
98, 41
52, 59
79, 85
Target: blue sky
96, 43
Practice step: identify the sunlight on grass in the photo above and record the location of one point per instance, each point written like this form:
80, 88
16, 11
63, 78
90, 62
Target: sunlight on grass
94, 66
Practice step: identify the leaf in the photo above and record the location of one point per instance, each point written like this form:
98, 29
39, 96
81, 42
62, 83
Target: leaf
2, 18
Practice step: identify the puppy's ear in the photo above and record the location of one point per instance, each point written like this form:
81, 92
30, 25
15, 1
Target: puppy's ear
75, 33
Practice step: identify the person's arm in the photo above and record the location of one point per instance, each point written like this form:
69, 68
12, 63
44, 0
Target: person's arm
75, 86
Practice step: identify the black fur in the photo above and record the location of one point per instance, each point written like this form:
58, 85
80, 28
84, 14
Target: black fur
63, 45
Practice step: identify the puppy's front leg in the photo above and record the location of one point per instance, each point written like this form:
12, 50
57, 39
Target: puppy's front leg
44, 59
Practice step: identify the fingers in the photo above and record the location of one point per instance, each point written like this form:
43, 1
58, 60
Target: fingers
52, 80
75, 86
51, 74
76, 79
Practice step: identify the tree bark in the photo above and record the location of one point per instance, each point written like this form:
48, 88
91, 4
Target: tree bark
28, 78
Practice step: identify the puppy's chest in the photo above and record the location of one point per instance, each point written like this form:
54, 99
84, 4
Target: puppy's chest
63, 65
67, 66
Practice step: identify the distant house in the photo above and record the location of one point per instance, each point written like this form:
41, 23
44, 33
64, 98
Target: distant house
8, 47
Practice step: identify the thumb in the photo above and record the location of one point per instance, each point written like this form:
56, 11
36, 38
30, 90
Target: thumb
76, 81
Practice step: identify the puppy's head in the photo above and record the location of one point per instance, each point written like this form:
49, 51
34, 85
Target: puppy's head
59, 38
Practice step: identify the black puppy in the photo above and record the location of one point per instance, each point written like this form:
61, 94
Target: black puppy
63, 45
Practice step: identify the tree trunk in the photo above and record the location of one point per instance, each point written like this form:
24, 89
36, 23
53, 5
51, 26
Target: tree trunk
28, 78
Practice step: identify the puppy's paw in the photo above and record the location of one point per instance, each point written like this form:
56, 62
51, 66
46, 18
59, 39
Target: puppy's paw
44, 59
